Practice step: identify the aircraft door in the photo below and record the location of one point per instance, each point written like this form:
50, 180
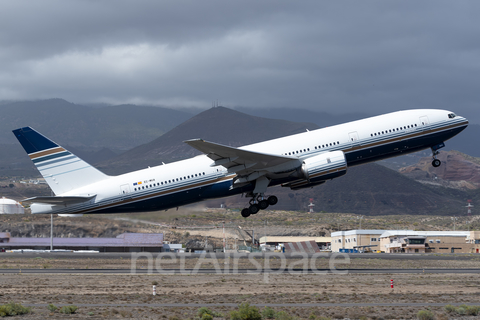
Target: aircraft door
125, 191
353, 138
424, 122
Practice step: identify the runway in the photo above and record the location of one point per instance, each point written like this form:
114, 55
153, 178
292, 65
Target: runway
213, 255
241, 271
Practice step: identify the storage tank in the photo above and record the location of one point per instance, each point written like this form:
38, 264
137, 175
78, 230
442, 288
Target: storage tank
8, 206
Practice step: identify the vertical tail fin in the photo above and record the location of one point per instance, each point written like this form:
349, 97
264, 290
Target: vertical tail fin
62, 170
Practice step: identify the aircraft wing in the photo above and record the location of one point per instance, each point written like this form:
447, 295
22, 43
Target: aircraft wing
58, 200
242, 162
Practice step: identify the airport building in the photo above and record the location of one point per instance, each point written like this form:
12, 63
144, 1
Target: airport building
406, 241
274, 241
356, 240
125, 242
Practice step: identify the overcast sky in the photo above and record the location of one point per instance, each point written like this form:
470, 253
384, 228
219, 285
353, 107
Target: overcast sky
337, 56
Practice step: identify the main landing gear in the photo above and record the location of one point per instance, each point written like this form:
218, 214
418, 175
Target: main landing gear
257, 203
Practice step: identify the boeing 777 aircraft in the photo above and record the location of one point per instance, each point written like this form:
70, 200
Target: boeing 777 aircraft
298, 161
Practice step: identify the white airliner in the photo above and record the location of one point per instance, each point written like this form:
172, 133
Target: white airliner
298, 161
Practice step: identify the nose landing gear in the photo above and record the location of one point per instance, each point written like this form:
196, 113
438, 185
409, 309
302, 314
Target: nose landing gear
435, 162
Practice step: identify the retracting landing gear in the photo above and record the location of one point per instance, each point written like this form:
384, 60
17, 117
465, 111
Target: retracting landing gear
436, 162
257, 203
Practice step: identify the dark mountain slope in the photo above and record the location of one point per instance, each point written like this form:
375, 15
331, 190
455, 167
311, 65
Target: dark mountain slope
220, 125
116, 127
320, 118
369, 189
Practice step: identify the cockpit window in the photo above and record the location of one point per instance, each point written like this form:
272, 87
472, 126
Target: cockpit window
452, 115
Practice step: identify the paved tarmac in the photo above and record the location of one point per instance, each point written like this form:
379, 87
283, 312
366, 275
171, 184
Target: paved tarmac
236, 271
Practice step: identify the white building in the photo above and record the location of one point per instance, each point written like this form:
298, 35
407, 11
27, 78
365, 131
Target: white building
8, 206
361, 240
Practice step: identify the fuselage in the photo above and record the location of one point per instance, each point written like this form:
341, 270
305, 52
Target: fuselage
192, 180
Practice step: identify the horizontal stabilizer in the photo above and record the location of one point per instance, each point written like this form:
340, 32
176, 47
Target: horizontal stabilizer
59, 200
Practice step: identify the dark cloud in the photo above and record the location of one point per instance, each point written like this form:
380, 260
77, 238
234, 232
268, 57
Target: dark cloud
371, 56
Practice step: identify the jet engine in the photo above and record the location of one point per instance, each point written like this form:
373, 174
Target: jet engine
316, 170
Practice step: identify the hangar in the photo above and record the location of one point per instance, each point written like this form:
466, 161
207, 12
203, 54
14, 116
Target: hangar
125, 242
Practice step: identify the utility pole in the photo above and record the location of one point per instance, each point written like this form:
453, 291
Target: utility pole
469, 207
51, 232
223, 235
360, 217
454, 218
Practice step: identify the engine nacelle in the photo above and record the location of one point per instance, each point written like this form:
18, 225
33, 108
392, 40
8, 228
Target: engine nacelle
318, 169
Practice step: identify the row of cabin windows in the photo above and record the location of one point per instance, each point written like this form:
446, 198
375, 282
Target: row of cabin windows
308, 149
393, 130
169, 181
326, 145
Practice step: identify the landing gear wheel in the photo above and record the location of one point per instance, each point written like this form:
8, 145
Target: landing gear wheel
436, 163
263, 204
253, 209
272, 200
245, 213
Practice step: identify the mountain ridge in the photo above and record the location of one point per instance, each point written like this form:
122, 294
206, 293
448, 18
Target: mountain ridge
219, 125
